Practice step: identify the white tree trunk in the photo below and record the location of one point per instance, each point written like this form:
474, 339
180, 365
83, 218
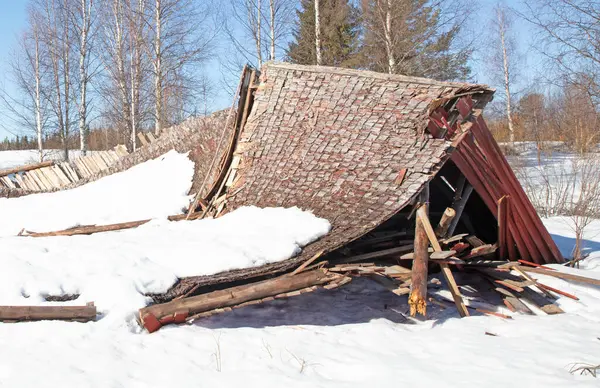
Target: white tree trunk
258, 32
158, 75
389, 46
38, 95
502, 29
83, 74
272, 9
318, 33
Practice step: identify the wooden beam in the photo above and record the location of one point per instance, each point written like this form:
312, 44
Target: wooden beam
38, 313
27, 167
418, 294
452, 286
151, 316
459, 207
562, 275
503, 227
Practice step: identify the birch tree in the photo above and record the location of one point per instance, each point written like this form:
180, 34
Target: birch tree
27, 110
339, 34
568, 34
318, 57
82, 17
502, 61
179, 42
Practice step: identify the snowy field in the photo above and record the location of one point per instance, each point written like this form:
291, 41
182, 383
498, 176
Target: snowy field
355, 336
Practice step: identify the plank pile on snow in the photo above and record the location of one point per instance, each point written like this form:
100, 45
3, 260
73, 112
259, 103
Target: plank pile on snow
53, 175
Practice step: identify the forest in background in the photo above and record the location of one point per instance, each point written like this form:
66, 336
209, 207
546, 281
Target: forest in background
90, 74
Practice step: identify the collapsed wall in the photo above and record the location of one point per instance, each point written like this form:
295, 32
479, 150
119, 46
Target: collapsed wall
204, 138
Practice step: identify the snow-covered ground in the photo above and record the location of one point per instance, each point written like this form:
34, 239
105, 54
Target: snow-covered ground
355, 336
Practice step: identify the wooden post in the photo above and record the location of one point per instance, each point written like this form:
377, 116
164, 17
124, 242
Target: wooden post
503, 227
418, 293
452, 286
458, 207
444, 224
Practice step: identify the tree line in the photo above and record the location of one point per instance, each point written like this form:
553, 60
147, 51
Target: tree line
125, 65
93, 73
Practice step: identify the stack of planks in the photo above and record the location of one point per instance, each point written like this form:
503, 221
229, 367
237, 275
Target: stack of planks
146, 138
53, 175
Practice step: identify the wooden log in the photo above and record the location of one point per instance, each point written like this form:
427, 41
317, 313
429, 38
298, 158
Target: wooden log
89, 229
151, 316
445, 222
24, 168
418, 294
452, 286
39, 313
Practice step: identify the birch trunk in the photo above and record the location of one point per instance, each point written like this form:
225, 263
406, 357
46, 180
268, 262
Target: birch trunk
158, 81
389, 46
83, 74
258, 32
38, 95
66, 80
318, 33
272, 9
502, 29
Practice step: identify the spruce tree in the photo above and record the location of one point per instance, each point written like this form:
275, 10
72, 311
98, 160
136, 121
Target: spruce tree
340, 34
412, 37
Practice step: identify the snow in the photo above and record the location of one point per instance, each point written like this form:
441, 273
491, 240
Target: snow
355, 336
155, 189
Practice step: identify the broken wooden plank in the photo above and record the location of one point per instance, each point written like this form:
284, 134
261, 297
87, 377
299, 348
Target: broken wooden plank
308, 262
444, 223
391, 285
372, 255
562, 275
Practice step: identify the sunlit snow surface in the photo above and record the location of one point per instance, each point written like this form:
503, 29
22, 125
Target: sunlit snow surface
356, 336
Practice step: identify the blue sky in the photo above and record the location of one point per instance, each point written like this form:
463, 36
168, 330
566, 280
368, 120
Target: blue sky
13, 19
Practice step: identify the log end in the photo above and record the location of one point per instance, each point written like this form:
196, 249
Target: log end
417, 305
149, 321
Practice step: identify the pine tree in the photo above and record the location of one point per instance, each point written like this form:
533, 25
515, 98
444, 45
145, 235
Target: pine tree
340, 34
411, 37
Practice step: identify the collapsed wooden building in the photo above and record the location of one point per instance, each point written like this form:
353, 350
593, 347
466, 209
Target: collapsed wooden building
365, 151
383, 158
